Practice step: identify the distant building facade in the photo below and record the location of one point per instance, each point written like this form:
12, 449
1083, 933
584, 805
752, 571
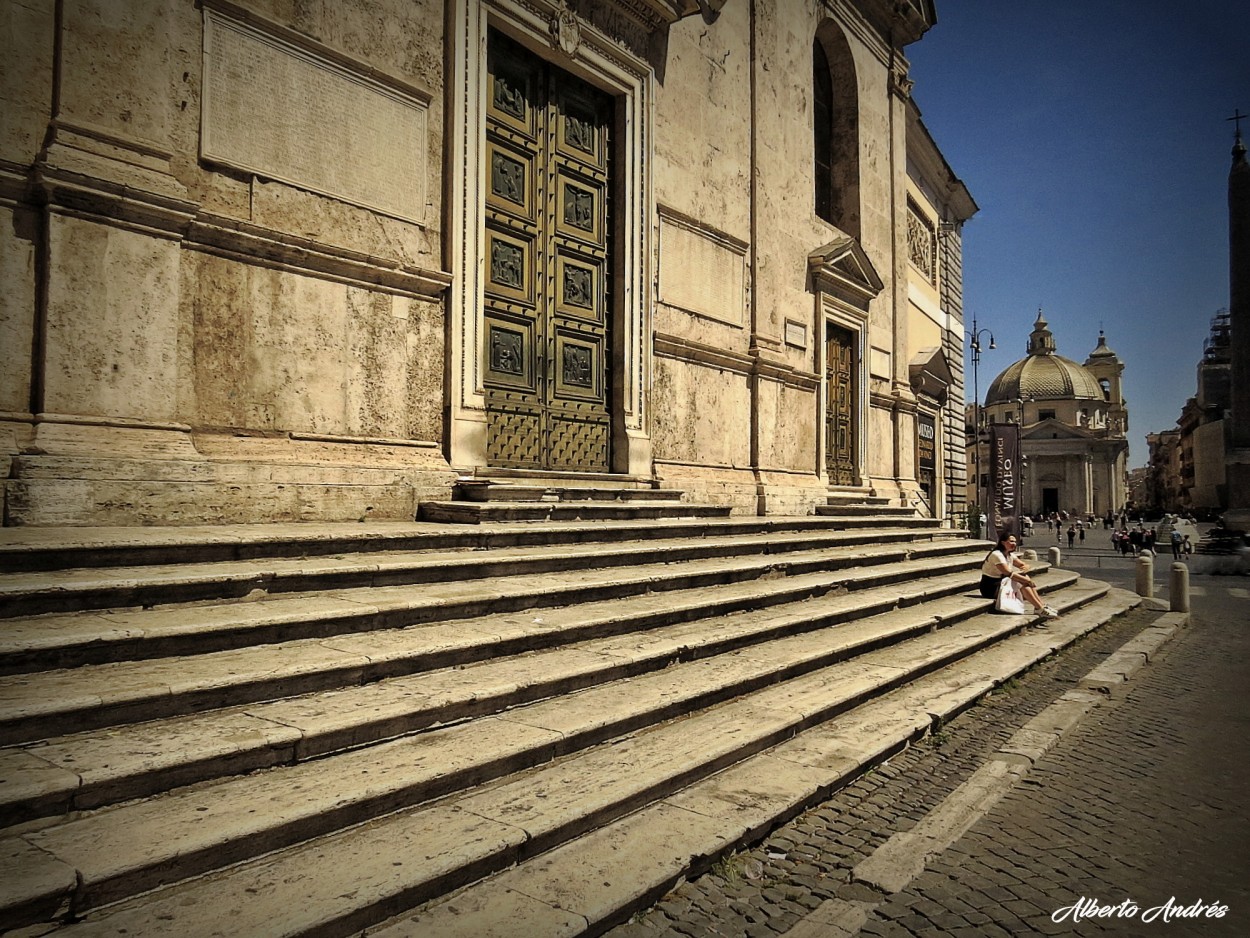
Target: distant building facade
1073, 423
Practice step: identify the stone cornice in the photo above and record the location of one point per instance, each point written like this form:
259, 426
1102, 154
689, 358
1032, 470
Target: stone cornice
249, 243
670, 346
140, 198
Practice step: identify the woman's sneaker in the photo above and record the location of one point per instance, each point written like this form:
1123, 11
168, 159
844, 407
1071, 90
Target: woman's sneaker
1049, 612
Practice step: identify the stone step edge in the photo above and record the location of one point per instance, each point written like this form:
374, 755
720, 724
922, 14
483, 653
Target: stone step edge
39, 787
477, 490
469, 857
745, 802
30, 549
474, 512
339, 614
84, 589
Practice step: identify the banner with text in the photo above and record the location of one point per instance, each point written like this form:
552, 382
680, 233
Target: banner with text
1004, 480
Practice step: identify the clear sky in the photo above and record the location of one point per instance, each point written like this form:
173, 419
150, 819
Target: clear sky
1092, 135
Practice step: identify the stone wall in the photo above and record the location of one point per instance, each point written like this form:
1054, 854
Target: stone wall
227, 311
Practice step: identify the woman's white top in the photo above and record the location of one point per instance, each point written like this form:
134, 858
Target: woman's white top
996, 557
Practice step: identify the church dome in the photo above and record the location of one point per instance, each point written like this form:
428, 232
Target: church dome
1043, 375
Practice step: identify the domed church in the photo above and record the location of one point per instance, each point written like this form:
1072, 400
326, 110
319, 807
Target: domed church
1074, 426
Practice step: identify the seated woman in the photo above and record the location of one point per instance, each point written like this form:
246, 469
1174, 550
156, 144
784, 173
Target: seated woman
1002, 563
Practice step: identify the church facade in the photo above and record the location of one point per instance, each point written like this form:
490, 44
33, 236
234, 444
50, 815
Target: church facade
1073, 425
306, 261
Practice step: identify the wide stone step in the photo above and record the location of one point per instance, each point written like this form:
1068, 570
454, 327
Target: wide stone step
34, 549
402, 852
486, 491
36, 593
54, 702
839, 509
561, 510
86, 770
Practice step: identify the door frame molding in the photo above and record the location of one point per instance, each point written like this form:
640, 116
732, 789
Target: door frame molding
845, 283
604, 64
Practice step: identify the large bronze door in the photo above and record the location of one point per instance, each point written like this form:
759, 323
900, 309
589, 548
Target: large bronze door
840, 405
546, 335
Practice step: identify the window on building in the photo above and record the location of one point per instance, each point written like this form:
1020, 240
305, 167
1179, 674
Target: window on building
1106, 388
1045, 415
822, 131
835, 130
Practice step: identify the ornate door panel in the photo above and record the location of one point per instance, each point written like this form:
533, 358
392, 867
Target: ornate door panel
840, 405
546, 308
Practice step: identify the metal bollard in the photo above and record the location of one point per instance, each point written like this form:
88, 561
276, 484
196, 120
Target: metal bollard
1052, 556
1146, 576
1178, 588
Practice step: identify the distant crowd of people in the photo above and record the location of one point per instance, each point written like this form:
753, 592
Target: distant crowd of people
1129, 537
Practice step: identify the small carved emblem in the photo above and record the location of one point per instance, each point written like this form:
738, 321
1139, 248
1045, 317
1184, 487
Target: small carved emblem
566, 34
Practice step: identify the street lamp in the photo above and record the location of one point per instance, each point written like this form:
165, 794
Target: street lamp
974, 343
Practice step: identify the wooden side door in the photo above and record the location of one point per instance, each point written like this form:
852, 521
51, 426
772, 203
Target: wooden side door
840, 405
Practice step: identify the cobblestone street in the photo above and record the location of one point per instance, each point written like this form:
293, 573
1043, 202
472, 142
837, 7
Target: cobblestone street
1142, 800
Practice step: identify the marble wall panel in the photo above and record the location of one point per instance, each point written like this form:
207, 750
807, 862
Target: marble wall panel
701, 415
111, 334
17, 306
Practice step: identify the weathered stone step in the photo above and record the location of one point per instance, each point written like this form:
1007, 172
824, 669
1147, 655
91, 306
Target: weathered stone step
56, 702
562, 510
416, 854
54, 642
92, 588
86, 770
839, 509
594, 882
32, 549
478, 490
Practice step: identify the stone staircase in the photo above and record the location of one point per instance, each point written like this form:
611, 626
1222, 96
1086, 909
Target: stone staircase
419, 729
519, 495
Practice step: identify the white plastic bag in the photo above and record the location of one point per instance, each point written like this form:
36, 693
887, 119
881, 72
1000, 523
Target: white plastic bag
1009, 599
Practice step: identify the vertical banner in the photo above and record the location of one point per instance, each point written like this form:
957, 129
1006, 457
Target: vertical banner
1004, 480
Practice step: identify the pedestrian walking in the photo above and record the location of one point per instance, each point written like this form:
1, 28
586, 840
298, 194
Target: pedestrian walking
1080, 536
1176, 544
1187, 548
1071, 535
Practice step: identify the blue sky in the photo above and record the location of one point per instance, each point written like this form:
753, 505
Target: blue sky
1092, 135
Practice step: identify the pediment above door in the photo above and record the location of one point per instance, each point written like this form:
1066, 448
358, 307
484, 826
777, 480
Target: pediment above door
842, 269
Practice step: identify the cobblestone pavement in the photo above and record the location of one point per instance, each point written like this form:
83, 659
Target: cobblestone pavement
1144, 800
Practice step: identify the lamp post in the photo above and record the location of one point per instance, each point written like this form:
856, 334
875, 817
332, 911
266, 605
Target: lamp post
974, 344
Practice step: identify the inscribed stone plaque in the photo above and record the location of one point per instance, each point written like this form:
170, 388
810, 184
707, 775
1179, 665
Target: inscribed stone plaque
280, 111
701, 274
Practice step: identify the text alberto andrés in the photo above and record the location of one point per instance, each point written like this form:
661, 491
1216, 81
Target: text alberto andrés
1092, 908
